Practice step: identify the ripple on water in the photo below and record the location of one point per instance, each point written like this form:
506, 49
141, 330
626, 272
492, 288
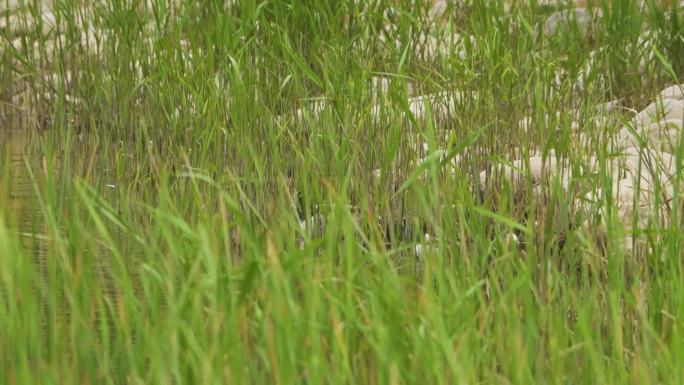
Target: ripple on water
18, 197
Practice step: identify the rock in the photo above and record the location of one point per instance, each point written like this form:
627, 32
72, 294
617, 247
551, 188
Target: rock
311, 111
565, 18
663, 109
381, 85
9, 7
441, 104
438, 10
608, 107
21, 23
662, 135
430, 44
642, 173
448, 44
539, 169
651, 167
673, 92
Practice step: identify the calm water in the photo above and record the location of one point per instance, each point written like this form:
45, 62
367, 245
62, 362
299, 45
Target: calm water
20, 198
21, 179
19, 195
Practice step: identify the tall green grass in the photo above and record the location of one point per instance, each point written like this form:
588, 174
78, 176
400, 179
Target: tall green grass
168, 248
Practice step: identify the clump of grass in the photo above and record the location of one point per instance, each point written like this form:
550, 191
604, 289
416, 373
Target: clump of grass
187, 229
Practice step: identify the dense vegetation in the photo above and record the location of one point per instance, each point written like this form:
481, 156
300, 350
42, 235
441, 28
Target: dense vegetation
256, 192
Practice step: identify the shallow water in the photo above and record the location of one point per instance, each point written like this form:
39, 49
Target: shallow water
20, 181
19, 205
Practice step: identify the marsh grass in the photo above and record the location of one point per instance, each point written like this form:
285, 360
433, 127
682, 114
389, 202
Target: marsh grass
170, 183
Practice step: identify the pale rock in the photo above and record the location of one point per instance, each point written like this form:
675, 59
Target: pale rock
565, 18
645, 44
539, 169
610, 106
430, 43
663, 109
381, 85
642, 171
21, 23
312, 110
663, 135
673, 92
9, 7
441, 103
438, 10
